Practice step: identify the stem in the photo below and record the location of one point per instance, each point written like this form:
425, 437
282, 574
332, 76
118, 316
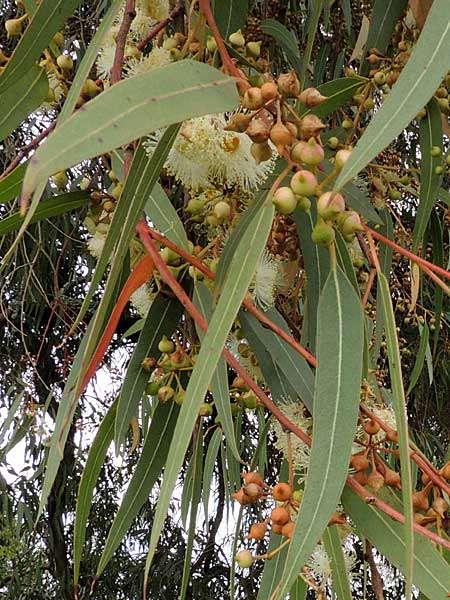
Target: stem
179, 8
13, 164
129, 14
369, 285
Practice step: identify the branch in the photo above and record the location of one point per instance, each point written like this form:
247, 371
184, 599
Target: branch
27, 149
129, 14
179, 8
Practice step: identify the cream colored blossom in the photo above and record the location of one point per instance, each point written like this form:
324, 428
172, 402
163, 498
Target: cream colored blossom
156, 9
319, 565
158, 57
294, 411
56, 86
205, 155
105, 60
142, 299
265, 281
96, 244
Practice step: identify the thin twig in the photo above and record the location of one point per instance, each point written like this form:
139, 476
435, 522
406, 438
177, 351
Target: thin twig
27, 149
121, 40
179, 8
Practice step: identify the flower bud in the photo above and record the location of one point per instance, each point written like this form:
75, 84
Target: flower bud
58, 38
253, 98
351, 225
303, 204
312, 97
211, 44
341, 158
329, 205
261, 152
284, 200
311, 153
258, 131
311, 126
222, 210
254, 49
333, 143
238, 122
241, 497
60, 179
379, 78
289, 85
323, 234
304, 183
257, 531
253, 477
13, 27
279, 516
206, 410
236, 39
90, 88
64, 62
165, 345
244, 559
165, 393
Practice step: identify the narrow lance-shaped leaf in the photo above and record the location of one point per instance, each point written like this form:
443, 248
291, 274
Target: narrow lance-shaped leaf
339, 574
430, 137
286, 41
339, 353
401, 417
429, 62
129, 109
88, 481
238, 278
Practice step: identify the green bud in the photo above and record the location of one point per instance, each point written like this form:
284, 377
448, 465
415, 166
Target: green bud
323, 234
165, 345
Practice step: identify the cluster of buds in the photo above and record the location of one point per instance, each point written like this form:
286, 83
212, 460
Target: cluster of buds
272, 118
432, 513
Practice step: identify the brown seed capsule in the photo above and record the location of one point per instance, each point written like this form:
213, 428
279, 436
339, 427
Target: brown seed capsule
292, 128
253, 491
241, 497
420, 499
253, 477
288, 529
257, 531
440, 506
375, 480
445, 471
277, 528
269, 91
289, 85
337, 519
392, 478
238, 122
371, 427
280, 516
312, 97
391, 435
280, 136
361, 477
258, 131
282, 492
311, 126
253, 98
359, 461
261, 152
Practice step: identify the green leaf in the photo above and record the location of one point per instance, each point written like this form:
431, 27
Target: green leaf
161, 212
438, 259
385, 15
219, 381
146, 473
430, 134
429, 62
20, 98
229, 16
314, 11
161, 319
91, 471
420, 359
431, 571
339, 575
320, 65
51, 207
11, 184
401, 417
240, 273
285, 39
347, 10
340, 339
208, 471
338, 92
129, 109
299, 379
46, 21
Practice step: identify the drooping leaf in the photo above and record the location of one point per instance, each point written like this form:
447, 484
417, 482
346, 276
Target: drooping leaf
401, 417
340, 339
238, 279
429, 62
430, 134
315, 8
147, 471
230, 16
20, 98
208, 471
420, 359
129, 109
286, 41
51, 207
91, 471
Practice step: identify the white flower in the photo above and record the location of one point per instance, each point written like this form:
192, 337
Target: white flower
294, 411
232, 345
320, 565
96, 244
204, 155
106, 59
265, 281
157, 9
56, 86
158, 57
142, 299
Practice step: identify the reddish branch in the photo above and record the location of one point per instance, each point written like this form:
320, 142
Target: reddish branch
179, 8
144, 234
129, 14
27, 149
